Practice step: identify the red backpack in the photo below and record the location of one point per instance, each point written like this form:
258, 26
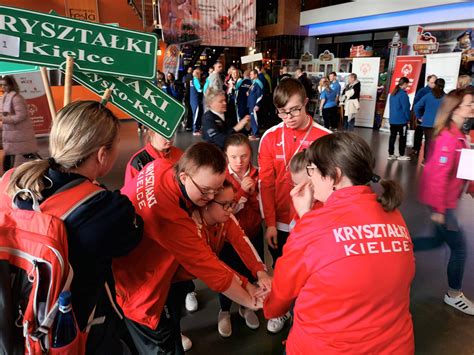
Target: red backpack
34, 267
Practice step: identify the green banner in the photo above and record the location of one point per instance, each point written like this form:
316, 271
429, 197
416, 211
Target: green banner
7, 68
44, 39
141, 99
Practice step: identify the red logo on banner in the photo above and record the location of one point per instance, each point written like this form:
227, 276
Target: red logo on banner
407, 69
365, 68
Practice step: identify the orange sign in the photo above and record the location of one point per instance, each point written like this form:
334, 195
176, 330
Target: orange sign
86, 10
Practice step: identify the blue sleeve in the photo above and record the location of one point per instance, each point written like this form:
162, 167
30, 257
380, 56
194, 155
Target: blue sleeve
323, 96
206, 85
420, 107
418, 96
259, 94
197, 85
211, 132
405, 102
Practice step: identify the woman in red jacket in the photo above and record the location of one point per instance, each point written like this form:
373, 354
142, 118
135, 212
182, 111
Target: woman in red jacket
440, 190
348, 265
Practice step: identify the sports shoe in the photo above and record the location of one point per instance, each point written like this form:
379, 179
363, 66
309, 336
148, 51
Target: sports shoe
224, 326
392, 157
461, 303
403, 157
191, 302
196, 133
253, 138
274, 325
250, 317
187, 343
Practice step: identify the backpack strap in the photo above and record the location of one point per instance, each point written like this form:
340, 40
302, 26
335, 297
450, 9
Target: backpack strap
69, 197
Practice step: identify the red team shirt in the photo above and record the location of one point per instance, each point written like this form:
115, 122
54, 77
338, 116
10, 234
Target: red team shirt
278, 145
170, 240
349, 265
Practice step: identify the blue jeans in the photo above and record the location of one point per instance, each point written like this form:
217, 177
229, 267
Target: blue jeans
451, 234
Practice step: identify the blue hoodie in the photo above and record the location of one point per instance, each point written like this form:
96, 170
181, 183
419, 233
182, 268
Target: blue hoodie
427, 108
399, 108
422, 92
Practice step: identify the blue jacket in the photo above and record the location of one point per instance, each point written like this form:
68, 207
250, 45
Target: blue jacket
330, 97
195, 92
399, 108
427, 108
422, 92
255, 94
241, 88
335, 86
214, 129
264, 81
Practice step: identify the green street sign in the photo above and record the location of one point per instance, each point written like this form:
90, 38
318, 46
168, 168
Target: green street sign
7, 68
141, 99
45, 39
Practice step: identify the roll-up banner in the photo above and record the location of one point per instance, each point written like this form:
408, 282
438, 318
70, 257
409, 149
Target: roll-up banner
446, 66
367, 70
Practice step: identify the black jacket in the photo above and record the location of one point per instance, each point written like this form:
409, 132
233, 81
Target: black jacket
215, 130
356, 88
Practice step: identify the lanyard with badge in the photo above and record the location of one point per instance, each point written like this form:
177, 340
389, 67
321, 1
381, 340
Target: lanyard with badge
287, 164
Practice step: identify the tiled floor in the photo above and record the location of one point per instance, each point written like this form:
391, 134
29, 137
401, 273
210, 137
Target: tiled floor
439, 329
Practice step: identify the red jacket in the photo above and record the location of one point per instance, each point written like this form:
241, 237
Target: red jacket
215, 236
349, 265
274, 176
170, 239
248, 210
439, 186
146, 155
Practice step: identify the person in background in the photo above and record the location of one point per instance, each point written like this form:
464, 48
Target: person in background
171, 88
214, 80
231, 92
196, 100
242, 86
277, 147
303, 78
161, 81
399, 118
18, 136
430, 83
328, 106
441, 190
187, 99
335, 86
351, 95
151, 293
254, 102
217, 225
331, 258
283, 74
215, 127
84, 145
427, 109
229, 80
464, 81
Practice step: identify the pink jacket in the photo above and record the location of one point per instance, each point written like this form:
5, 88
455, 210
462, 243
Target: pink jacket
439, 187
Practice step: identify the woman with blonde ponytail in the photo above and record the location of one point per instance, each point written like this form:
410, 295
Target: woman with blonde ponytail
348, 265
84, 145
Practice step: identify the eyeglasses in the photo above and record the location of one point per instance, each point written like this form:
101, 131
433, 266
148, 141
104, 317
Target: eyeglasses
292, 113
310, 170
226, 205
205, 191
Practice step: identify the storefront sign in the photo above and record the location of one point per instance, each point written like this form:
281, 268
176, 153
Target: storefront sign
32, 89
141, 99
425, 43
86, 10
326, 56
367, 70
446, 66
251, 58
7, 68
37, 38
361, 51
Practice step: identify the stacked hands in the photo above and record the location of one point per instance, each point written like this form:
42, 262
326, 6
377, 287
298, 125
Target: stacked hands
260, 291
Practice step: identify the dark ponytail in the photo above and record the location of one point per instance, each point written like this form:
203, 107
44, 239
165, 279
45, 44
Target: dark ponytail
353, 156
403, 80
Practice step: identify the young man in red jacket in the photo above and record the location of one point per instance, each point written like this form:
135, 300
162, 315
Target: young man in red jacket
278, 145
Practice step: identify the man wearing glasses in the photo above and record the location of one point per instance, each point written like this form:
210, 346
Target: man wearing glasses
278, 145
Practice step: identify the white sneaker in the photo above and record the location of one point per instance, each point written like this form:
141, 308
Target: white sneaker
187, 343
403, 157
250, 317
224, 325
274, 325
392, 157
191, 302
461, 303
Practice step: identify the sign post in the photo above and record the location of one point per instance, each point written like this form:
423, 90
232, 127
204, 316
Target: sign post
47, 40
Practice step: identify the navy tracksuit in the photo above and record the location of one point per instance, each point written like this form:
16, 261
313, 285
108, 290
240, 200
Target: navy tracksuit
241, 88
196, 103
255, 95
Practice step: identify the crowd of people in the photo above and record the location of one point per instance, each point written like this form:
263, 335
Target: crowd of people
342, 256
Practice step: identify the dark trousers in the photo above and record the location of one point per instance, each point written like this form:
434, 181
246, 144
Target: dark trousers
189, 114
400, 129
166, 338
9, 160
428, 131
232, 259
330, 117
276, 253
418, 138
451, 234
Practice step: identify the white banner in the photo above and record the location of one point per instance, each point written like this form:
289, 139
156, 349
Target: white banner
446, 66
367, 70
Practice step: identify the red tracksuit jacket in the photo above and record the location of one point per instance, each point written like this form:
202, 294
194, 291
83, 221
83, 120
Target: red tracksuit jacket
146, 155
349, 265
170, 239
274, 155
248, 210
